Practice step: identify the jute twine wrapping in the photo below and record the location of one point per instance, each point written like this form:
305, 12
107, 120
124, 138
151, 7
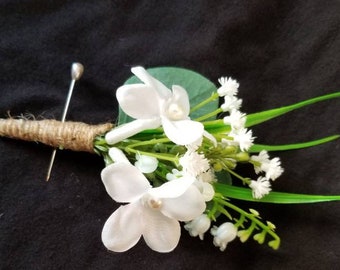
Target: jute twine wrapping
74, 136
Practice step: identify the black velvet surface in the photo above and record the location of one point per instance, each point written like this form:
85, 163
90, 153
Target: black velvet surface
281, 52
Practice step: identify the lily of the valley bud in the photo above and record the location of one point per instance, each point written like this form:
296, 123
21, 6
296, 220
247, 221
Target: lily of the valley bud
224, 234
198, 226
146, 164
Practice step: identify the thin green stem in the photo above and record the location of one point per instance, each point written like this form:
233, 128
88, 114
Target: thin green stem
251, 217
213, 123
161, 156
243, 179
208, 115
149, 142
240, 221
204, 102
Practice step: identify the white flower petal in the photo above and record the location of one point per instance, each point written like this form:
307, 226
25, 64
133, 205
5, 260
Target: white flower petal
123, 228
161, 233
124, 182
117, 155
146, 78
125, 131
210, 137
208, 191
185, 207
173, 188
180, 97
182, 132
131, 96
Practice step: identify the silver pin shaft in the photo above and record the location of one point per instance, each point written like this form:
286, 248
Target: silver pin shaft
76, 72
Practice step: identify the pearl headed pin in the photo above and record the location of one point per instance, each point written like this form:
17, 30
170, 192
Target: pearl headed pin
77, 70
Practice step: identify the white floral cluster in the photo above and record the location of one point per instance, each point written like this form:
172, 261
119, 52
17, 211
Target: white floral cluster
242, 137
154, 212
272, 169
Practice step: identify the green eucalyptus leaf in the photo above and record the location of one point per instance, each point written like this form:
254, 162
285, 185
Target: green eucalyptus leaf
224, 177
259, 147
245, 194
198, 87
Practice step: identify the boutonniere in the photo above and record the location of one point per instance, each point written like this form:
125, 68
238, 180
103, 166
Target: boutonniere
173, 160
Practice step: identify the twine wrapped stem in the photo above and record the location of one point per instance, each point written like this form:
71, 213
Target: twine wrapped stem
74, 136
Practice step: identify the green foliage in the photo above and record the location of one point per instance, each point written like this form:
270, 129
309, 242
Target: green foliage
245, 194
259, 147
260, 117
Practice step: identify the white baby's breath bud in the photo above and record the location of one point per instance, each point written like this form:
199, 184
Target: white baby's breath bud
273, 168
229, 87
243, 138
208, 176
236, 119
194, 163
198, 226
231, 103
261, 158
223, 234
260, 187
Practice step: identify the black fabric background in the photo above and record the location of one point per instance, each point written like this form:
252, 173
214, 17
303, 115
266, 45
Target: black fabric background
281, 52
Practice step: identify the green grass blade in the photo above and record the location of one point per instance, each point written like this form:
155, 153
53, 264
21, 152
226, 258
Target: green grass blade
258, 147
245, 194
260, 117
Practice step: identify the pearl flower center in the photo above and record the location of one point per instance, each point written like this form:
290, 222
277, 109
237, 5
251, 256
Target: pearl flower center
175, 112
152, 202
155, 203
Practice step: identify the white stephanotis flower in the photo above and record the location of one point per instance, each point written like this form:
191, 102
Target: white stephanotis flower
153, 105
151, 212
